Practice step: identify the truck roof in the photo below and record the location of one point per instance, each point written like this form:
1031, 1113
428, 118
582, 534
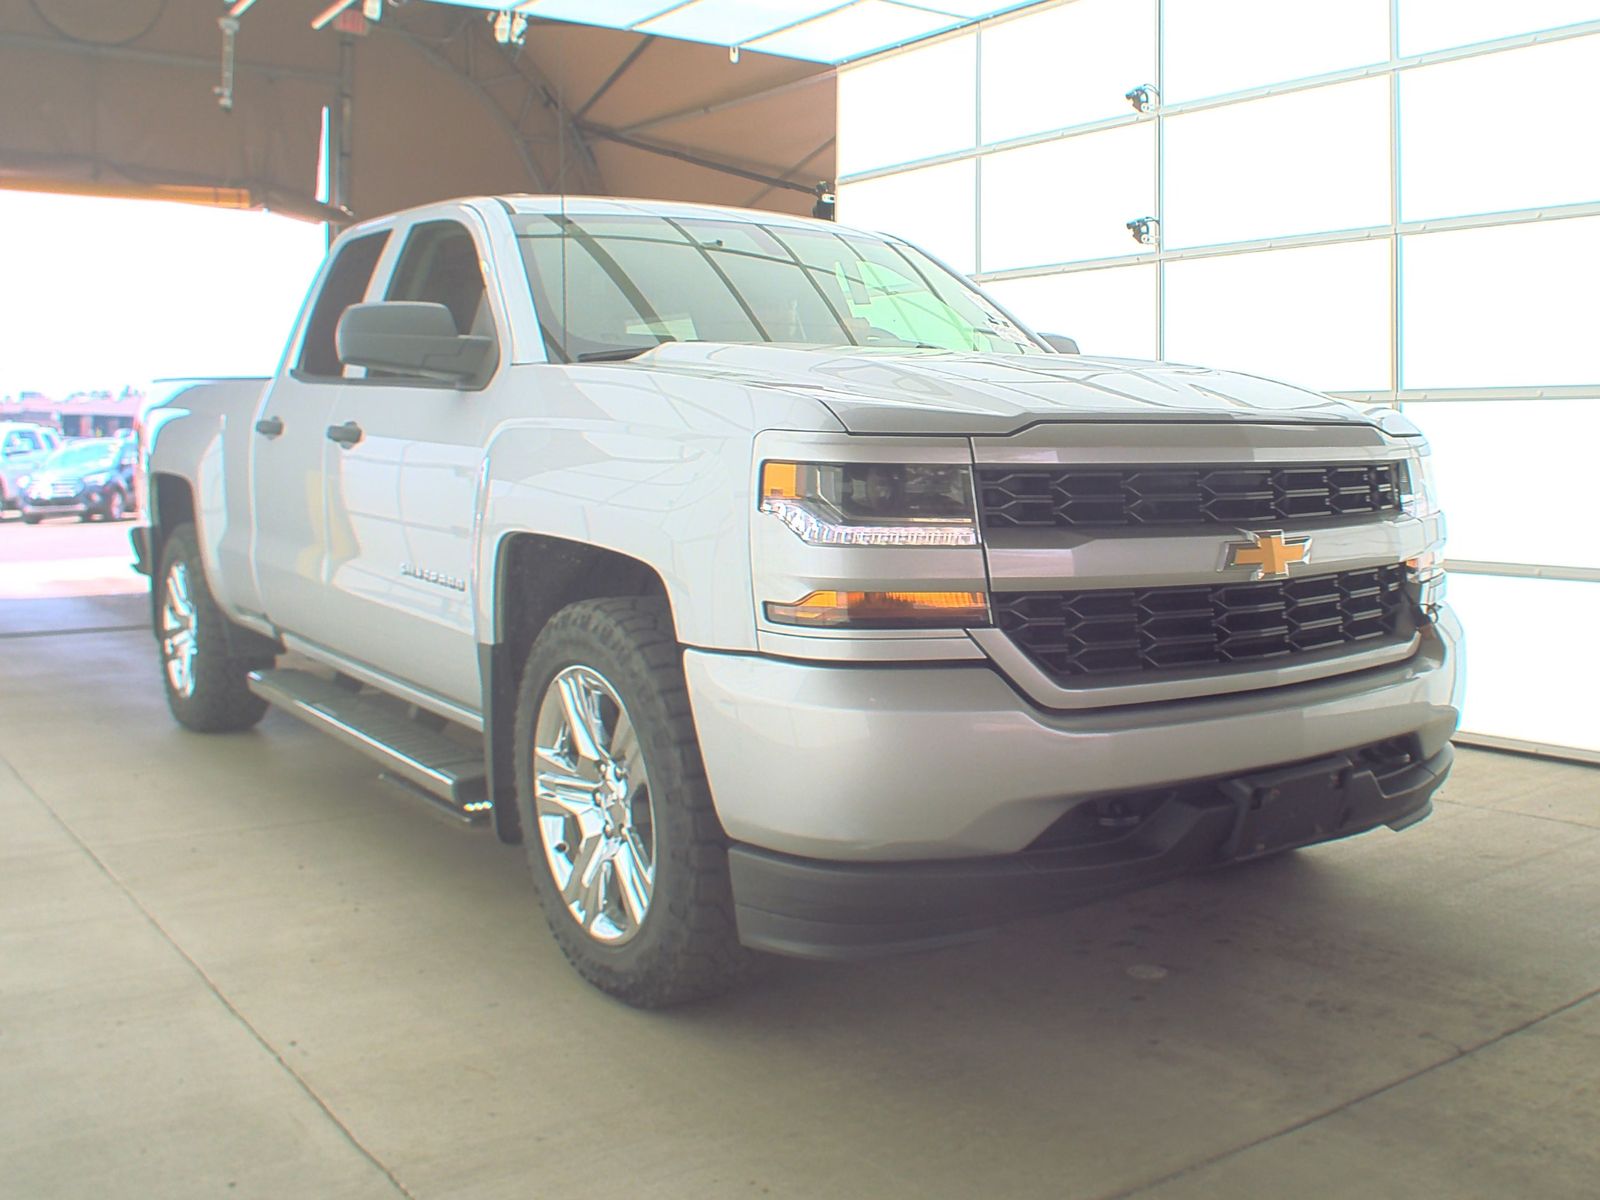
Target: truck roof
601, 205
529, 205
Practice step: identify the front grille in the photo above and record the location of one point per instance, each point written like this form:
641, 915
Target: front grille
1247, 494
63, 491
1116, 631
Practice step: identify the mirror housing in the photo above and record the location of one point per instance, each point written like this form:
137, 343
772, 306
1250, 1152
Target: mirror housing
408, 337
1060, 343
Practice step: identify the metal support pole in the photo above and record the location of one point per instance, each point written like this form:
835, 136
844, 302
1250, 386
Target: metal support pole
339, 131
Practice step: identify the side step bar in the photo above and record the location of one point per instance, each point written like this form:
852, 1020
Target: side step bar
429, 762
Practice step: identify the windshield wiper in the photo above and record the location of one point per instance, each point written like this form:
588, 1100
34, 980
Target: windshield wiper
626, 352
620, 353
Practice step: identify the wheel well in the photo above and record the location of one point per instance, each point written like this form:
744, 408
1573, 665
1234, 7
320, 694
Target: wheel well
535, 577
171, 505
538, 576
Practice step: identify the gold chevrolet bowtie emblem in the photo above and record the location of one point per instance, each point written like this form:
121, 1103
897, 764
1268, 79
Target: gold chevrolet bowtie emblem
1269, 552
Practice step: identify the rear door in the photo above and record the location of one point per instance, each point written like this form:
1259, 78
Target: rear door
289, 449
402, 500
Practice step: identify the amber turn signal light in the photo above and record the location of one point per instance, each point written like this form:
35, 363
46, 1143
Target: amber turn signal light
882, 610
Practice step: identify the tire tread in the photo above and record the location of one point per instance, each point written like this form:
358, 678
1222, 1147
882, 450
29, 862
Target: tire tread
697, 953
221, 701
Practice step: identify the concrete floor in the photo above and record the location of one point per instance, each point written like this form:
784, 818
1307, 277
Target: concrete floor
243, 966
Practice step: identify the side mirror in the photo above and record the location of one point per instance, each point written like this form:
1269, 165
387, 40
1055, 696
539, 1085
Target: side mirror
1060, 343
411, 338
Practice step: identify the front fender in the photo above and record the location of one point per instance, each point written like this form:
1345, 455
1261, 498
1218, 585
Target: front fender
200, 433
661, 479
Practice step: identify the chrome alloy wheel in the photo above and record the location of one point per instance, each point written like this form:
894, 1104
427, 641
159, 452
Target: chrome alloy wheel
593, 804
178, 644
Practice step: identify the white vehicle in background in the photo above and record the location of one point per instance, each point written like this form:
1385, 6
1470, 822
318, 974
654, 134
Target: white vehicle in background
779, 590
23, 445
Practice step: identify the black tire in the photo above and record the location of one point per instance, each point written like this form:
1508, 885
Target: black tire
218, 699
115, 507
30, 519
686, 946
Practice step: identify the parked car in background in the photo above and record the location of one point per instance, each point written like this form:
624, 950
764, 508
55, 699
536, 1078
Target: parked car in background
23, 446
91, 478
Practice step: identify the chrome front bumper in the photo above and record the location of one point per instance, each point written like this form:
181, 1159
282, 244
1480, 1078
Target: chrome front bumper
872, 764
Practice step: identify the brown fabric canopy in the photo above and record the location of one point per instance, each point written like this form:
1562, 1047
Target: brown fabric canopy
121, 99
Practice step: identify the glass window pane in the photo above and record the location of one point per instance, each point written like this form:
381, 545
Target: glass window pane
1436, 24
1528, 677
938, 83
1068, 200
1111, 312
1219, 46
1498, 132
1065, 66
932, 207
1478, 440
861, 28
1316, 316
1510, 306
726, 22
1305, 162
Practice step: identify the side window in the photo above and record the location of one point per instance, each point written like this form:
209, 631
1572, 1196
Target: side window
345, 285
21, 441
440, 264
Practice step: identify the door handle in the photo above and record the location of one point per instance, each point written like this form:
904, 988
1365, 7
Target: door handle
269, 427
346, 435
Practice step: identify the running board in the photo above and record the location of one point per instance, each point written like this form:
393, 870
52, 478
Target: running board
423, 758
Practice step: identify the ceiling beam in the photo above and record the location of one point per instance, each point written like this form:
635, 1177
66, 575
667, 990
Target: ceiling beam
716, 106
621, 70
794, 170
489, 69
692, 157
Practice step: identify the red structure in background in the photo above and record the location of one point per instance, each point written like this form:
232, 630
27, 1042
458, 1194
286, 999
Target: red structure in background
80, 415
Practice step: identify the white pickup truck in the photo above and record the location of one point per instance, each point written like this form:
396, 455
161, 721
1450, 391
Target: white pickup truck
779, 590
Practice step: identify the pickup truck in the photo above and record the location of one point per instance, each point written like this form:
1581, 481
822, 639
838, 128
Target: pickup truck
779, 590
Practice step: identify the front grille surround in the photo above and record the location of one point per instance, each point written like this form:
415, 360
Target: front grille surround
1233, 494
1125, 634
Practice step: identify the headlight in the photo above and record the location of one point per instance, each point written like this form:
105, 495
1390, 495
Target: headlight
22, 481
859, 504
1417, 497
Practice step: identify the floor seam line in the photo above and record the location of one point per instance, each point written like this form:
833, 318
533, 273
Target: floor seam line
211, 986
1335, 1110
39, 633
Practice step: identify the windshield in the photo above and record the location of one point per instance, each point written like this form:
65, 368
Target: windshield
614, 286
83, 456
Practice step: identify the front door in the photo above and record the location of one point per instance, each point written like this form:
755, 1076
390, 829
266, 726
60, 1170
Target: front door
289, 450
402, 491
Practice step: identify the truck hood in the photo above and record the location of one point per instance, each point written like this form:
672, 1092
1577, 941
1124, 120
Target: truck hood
907, 391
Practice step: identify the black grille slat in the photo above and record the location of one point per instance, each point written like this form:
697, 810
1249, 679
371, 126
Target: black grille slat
1033, 497
1088, 633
